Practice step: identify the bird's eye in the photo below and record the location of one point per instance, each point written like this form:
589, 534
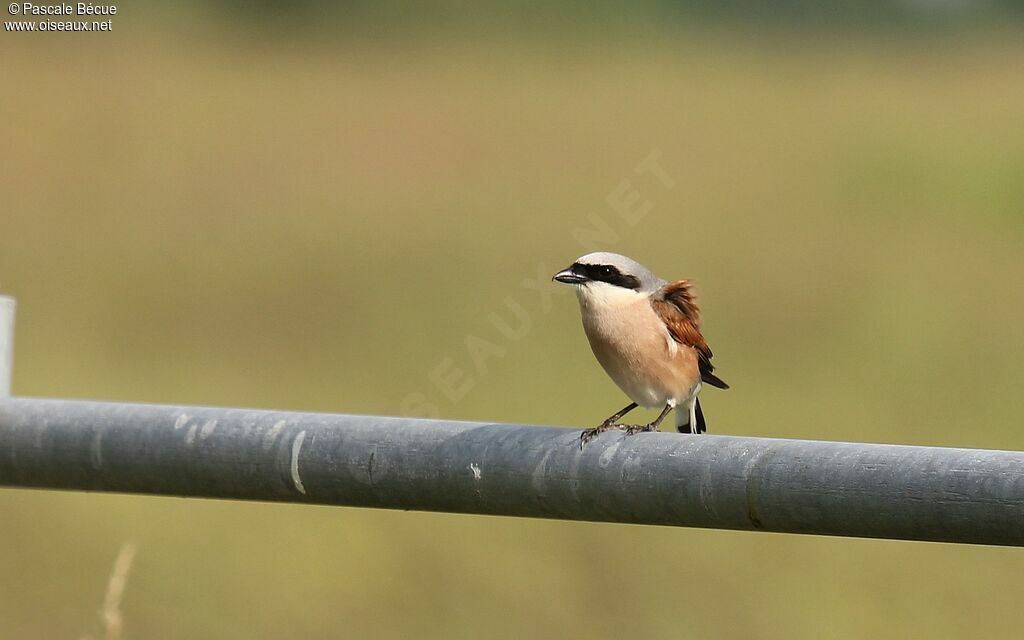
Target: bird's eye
607, 271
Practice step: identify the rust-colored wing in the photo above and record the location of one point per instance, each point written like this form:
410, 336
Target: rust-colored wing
676, 304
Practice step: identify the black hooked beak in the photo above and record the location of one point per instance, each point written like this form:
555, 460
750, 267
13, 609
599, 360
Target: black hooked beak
568, 276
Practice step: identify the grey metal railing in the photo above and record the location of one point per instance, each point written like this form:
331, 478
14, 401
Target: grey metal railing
795, 486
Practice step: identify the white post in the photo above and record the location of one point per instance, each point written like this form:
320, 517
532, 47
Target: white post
6, 344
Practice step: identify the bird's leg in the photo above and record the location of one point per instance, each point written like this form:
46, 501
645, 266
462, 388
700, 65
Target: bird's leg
651, 426
610, 423
615, 417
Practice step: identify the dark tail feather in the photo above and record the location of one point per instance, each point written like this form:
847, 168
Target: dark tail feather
702, 426
713, 380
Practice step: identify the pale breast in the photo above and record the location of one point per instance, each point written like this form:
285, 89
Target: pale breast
638, 353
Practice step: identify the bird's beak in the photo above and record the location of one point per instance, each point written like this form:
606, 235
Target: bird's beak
567, 276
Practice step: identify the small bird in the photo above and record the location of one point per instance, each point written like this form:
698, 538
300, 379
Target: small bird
645, 332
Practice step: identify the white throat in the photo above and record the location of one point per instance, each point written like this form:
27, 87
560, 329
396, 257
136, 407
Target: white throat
602, 294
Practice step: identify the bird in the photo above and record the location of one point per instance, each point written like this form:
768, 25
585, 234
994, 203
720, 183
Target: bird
646, 334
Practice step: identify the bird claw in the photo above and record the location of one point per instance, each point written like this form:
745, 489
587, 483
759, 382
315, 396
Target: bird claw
630, 429
633, 429
590, 434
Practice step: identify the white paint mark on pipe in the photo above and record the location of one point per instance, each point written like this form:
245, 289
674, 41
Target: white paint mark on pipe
296, 446
207, 429
539, 479
190, 437
96, 451
476, 471
271, 436
608, 455
181, 421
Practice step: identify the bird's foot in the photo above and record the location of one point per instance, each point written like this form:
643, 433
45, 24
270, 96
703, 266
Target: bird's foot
633, 429
590, 434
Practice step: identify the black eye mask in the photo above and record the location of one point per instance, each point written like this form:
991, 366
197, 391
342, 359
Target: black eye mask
606, 273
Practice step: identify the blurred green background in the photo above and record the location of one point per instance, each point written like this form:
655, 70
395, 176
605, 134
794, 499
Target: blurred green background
312, 208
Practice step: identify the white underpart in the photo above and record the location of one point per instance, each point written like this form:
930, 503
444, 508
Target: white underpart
690, 408
598, 298
606, 304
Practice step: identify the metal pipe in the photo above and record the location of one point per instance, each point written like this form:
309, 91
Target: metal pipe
7, 306
794, 486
